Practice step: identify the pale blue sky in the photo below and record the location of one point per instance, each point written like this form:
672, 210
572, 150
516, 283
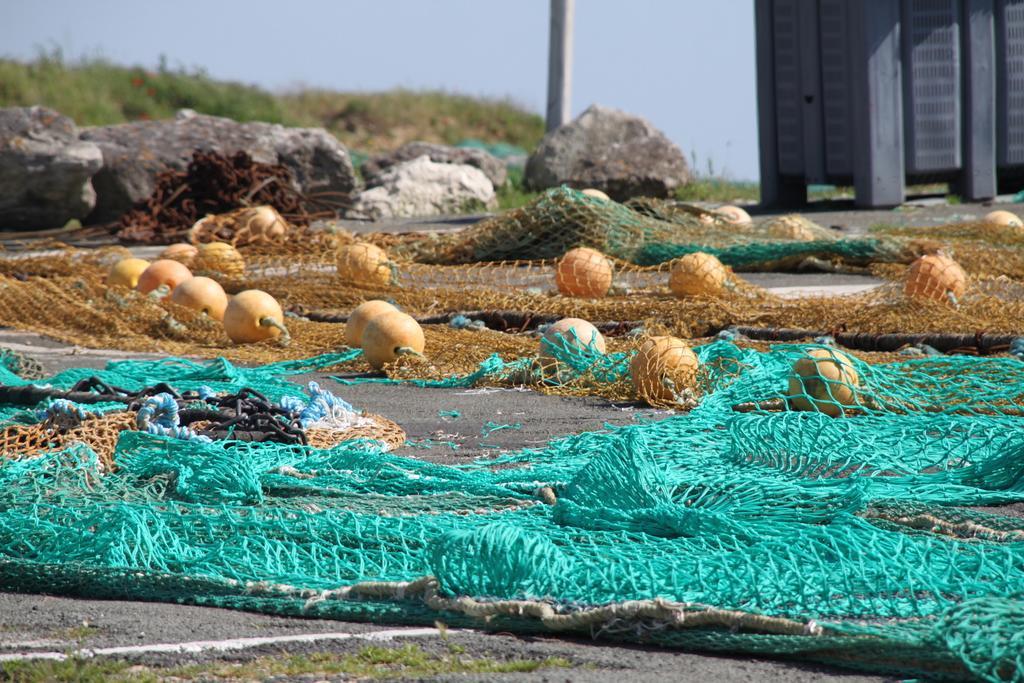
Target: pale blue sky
687, 65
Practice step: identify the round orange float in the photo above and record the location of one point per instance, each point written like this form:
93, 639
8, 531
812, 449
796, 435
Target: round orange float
697, 274
661, 368
254, 316
584, 273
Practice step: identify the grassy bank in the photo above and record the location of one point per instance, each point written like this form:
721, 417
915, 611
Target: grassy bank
96, 92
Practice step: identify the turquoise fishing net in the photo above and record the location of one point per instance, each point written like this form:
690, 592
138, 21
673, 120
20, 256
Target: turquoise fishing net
638, 232
741, 526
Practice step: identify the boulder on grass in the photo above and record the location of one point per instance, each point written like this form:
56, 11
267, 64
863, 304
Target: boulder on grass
620, 154
423, 188
493, 167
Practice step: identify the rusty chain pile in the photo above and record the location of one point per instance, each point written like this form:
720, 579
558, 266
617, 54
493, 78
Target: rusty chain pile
212, 183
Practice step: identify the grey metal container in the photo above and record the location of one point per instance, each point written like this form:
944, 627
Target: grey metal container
1009, 30
877, 93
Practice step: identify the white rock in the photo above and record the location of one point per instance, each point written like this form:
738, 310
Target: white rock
423, 188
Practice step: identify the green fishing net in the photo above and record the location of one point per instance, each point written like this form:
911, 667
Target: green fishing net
740, 526
644, 232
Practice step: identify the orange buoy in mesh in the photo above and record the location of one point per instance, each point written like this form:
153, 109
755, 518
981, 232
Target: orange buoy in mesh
126, 272
389, 336
264, 223
662, 368
733, 214
586, 335
572, 332
254, 316
824, 380
221, 258
697, 274
1003, 218
360, 316
791, 227
936, 277
164, 274
182, 252
583, 272
201, 294
364, 264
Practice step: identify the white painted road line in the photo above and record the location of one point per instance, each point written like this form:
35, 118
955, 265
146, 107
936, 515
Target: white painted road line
198, 646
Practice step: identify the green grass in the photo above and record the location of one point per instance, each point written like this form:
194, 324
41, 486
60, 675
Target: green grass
409, 661
77, 670
513, 194
384, 121
95, 92
710, 189
98, 92
76, 633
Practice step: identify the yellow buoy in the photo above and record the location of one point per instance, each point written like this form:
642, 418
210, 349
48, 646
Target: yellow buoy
662, 368
201, 294
389, 336
1003, 218
219, 258
364, 264
792, 227
360, 316
126, 272
733, 214
935, 277
163, 273
264, 223
568, 332
576, 332
697, 274
254, 316
584, 273
596, 194
823, 380
182, 252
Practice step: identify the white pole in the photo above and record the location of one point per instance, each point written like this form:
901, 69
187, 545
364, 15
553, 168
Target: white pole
560, 64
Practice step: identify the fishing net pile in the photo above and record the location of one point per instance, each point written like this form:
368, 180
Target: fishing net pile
842, 507
217, 401
644, 232
476, 312
742, 526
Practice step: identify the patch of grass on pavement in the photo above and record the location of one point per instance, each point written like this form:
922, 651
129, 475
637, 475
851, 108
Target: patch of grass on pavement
77, 633
409, 661
709, 189
74, 669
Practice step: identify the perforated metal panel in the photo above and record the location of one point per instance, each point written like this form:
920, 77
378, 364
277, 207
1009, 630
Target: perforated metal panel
786, 27
835, 88
1010, 84
931, 82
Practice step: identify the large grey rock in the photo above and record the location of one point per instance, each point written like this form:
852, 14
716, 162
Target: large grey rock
423, 188
493, 167
45, 170
615, 152
134, 153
